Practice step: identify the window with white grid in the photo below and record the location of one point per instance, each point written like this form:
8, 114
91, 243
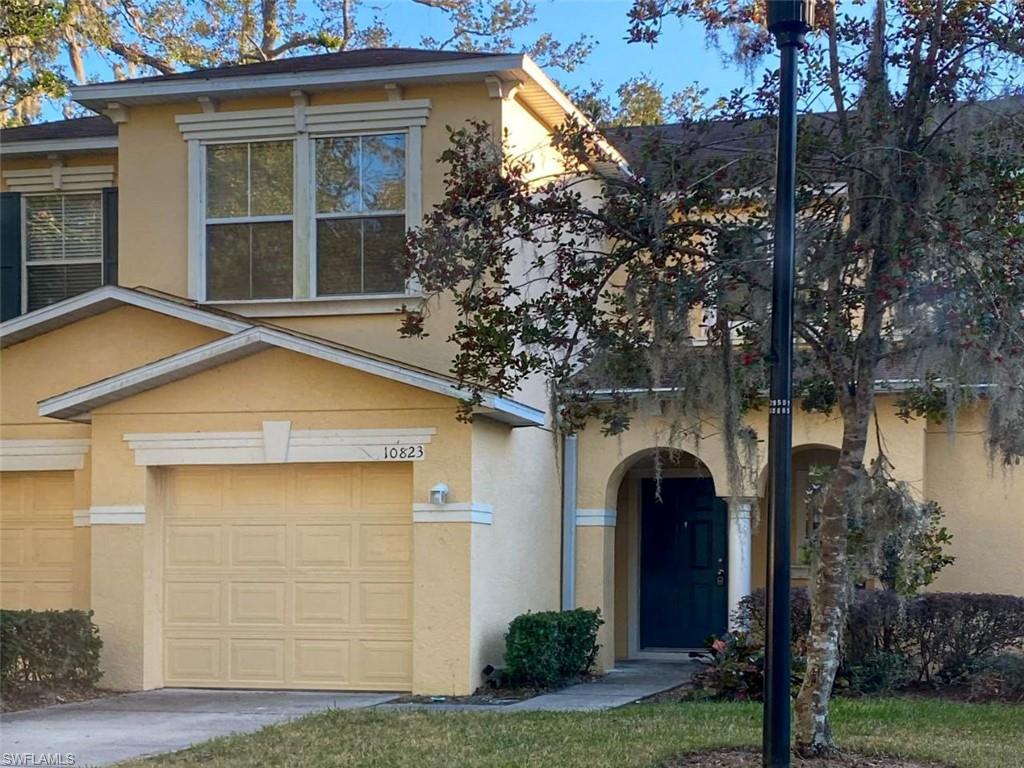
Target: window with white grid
63, 236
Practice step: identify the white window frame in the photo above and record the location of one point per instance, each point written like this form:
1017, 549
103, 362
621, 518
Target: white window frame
268, 219
43, 262
302, 125
332, 215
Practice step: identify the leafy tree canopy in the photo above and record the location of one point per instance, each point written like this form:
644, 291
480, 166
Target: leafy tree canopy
46, 44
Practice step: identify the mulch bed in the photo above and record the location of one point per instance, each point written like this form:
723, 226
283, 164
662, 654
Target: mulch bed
742, 758
492, 696
21, 700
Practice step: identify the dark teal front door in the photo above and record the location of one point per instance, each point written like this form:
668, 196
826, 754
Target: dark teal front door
683, 551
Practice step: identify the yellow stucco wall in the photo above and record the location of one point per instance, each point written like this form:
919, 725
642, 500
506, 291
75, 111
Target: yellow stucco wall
516, 559
984, 506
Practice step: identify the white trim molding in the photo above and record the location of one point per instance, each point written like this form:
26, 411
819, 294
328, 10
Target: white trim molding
48, 146
278, 443
42, 455
600, 518
285, 122
77, 404
104, 299
456, 512
81, 517
129, 514
388, 304
60, 178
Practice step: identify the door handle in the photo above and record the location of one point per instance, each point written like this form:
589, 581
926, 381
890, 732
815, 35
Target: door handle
720, 577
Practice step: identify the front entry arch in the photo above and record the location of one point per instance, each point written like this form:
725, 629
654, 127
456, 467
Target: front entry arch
683, 563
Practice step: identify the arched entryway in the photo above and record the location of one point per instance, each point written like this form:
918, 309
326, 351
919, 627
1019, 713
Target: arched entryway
671, 555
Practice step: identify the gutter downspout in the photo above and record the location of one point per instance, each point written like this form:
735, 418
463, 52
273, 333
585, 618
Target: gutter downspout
569, 469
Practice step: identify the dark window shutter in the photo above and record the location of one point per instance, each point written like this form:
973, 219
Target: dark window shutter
10, 255
110, 236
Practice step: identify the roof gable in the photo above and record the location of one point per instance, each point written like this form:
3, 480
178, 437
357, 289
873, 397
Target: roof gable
77, 404
105, 298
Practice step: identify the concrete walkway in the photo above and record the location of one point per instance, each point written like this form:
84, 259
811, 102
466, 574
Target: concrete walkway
103, 731
628, 682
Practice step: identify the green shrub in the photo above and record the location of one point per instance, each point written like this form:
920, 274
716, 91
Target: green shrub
880, 672
998, 677
546, 649
48, 650
734, 669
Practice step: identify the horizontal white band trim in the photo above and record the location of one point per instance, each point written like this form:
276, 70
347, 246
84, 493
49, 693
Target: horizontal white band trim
457, 512
132, 514
595, 517
339, 305
58, 145
278, 443
42, 455
81, 517
319, 120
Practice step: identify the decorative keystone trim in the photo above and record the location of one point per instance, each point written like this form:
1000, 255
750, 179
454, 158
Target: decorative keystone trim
459, 512
81, 517
595, 518
132, 514
278, 443
42, 455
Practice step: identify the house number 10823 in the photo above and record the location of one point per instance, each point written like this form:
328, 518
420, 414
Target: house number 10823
403, 452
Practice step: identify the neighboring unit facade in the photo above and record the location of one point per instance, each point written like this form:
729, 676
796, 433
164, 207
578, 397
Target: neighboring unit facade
214, 436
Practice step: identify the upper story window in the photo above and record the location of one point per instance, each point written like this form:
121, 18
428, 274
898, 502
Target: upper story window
249, 220
63, 246
304, 204
360, 214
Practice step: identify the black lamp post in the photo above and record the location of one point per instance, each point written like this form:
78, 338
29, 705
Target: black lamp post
788, 21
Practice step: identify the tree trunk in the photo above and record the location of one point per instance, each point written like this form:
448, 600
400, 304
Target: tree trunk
829, 584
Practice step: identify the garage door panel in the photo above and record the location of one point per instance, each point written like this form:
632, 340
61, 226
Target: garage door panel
194, 546
189, 603
323, 546
13, 547
257, 603
322, 603
262, 546
319, 487
317, 661
258, 661
53, 547
36, 540
196, 491
192, 660
255, 491
386, 486
313, 592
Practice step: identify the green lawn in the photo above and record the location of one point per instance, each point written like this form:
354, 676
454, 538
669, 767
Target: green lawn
975, 735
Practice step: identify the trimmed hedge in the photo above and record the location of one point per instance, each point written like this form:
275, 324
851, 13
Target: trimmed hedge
934, 637
48, 650
546, 649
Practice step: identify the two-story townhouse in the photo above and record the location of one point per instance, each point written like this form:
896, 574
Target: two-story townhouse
214, 436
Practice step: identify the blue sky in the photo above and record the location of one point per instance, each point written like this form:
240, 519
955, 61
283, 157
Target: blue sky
681, 57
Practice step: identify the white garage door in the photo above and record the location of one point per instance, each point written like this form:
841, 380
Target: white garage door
36, 539
289, 576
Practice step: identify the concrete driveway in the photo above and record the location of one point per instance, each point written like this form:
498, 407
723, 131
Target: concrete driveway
103, 731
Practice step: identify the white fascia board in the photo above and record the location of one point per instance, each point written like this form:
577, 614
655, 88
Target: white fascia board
99, 95
45, 146
101, 300
77, 404
511, 412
